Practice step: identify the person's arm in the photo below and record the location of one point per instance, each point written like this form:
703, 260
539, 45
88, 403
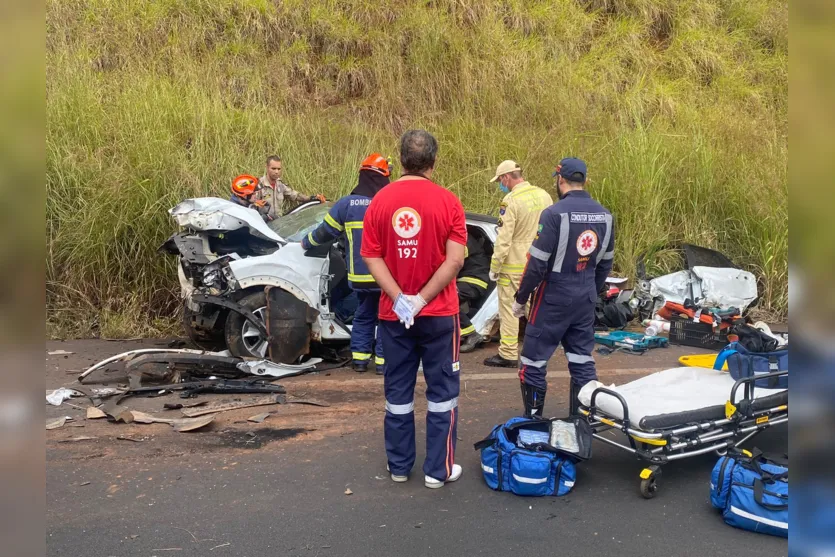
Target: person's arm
455, 248
540, 255
371, 251
605, 258
507, 223
295, 196
446, 272
330, 229
380, 271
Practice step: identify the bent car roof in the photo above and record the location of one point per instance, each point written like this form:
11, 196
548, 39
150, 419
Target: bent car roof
482, 218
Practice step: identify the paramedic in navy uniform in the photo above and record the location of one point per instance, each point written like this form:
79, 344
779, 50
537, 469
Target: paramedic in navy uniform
570, 259
413, 243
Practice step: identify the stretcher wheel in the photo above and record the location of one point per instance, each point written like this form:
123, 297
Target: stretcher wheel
649, 481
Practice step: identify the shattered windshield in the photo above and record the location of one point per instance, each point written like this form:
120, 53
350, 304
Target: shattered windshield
295, 226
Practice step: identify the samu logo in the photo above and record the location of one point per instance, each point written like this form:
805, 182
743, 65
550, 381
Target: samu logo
406, 222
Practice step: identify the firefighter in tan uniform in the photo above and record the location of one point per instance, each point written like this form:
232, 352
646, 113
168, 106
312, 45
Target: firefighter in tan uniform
518, 224
272, 192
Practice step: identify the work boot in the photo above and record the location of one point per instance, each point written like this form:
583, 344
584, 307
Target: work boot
359, 367
432, 483
573, 399
534, 400
499, 361
470, 342
395, 477
380, 370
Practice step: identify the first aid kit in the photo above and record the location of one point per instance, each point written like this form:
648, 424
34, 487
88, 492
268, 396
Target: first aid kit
752, 491
534, 457
744, 363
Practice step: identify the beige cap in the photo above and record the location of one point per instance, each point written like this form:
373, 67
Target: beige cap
504, 168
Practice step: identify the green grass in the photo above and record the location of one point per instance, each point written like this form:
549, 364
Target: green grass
679, 107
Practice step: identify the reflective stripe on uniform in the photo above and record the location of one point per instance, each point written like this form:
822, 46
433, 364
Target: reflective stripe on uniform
468, 330
473, 280
331, 221
360, 278
379, 361
513, 268
534, 363
578, 358
400, 409
361, 356
349, 226
509, 340
311, 240
562, 246
503, 281
605, 244
539, 254
607, 255
444, 406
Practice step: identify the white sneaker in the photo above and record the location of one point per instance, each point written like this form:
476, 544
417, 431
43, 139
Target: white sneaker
396, 478
432, 483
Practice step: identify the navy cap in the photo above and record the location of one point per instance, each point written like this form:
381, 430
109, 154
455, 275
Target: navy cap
570, 167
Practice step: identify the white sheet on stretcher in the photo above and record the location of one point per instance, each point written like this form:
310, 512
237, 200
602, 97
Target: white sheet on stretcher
670, 391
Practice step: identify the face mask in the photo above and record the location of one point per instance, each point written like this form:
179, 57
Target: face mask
504, 188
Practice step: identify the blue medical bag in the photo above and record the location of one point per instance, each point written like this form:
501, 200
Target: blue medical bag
752, 491
517, 457
743, 363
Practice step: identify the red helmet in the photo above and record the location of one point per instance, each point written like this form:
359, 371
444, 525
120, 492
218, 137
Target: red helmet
378, 163
244, 185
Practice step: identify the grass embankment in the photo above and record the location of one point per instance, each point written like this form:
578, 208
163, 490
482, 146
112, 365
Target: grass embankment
680, 109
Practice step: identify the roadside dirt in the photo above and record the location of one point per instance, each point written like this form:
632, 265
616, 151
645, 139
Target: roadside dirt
356, 404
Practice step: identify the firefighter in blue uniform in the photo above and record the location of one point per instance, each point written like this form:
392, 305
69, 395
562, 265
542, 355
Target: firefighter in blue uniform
346, 217
568, 263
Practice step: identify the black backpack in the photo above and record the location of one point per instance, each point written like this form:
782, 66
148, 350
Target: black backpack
609, 313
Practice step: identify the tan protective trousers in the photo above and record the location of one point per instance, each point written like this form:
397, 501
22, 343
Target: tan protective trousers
508, 285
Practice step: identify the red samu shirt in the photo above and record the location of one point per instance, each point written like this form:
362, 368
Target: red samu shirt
407, 225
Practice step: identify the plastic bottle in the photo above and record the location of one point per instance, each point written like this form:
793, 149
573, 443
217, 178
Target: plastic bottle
651, 331
658, 324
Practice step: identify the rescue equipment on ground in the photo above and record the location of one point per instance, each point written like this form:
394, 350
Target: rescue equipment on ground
534, 457
610, 311
743, 363
752, 491
701, 360
633, 342
679, 413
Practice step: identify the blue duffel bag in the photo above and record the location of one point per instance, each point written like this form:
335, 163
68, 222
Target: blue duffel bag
743, 363
518, 457
752, 491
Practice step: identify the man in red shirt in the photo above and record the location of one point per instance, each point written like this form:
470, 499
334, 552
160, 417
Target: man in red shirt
414, 234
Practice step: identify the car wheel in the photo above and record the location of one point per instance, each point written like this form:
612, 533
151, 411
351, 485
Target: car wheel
211, 340
242, 338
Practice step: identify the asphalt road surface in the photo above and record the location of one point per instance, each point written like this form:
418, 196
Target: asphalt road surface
311, 481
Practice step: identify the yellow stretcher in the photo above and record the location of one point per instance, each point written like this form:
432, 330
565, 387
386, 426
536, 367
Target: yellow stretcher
701, 360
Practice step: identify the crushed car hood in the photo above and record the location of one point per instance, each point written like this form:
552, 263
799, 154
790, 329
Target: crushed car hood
213, 213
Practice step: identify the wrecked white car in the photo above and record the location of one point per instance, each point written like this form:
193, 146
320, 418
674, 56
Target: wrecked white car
232, 265
710, 279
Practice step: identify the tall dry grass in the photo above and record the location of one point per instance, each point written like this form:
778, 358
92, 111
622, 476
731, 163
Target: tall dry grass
680, 109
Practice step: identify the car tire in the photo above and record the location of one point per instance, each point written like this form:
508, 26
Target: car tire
243, 339
211, 340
